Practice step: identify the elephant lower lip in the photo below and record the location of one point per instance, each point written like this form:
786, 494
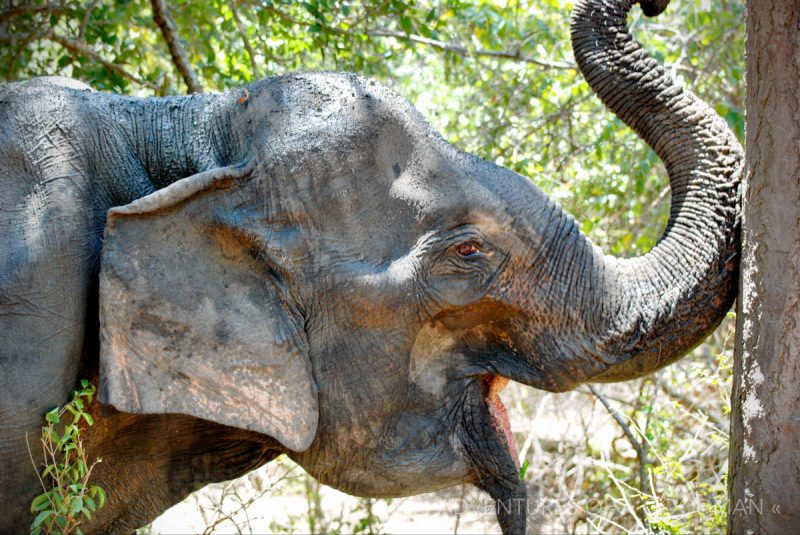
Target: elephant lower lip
494, 384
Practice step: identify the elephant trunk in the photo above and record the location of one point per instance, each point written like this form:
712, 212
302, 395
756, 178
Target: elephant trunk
643, 313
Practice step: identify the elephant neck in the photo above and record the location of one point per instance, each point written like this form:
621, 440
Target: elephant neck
176, 137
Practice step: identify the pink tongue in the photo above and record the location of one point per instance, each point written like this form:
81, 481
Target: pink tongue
499, 415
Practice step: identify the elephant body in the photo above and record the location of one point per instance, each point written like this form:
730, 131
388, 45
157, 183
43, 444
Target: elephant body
304, 266
67, 155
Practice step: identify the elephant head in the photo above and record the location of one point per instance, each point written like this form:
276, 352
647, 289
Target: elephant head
350, 284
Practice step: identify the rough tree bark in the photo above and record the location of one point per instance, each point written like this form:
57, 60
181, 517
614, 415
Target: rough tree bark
764, 480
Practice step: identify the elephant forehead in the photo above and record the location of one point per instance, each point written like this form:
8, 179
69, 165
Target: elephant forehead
439, 180
303, 111
415, 191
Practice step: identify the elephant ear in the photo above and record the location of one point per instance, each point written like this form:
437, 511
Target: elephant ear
196, 317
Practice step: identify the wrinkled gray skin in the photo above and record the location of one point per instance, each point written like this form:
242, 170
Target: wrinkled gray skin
329, 276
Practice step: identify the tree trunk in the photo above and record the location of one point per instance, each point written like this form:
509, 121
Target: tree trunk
764, 482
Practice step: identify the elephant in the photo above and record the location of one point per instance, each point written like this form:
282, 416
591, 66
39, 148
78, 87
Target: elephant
304, 266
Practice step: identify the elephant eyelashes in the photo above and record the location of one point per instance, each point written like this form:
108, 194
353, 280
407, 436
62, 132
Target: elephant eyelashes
468, 249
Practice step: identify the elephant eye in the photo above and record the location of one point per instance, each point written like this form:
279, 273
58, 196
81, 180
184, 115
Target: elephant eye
468, 249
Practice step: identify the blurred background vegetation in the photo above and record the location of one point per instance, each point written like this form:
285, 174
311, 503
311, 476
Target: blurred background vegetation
496, 78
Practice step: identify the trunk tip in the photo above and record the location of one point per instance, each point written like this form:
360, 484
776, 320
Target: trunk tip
652, 8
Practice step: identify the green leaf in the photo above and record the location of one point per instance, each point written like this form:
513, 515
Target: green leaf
76, 505
41, 517
523, 469
405, 23
53, 416
69, 431
40, 502
59, 508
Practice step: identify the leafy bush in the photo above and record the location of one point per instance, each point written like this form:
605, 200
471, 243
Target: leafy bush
68, 498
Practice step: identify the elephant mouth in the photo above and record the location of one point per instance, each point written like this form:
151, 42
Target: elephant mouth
492, 386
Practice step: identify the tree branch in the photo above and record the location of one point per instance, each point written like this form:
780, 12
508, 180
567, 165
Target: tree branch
179, 57
28, 10
433, 43
629, 434
21, 47
464, 51
250, 52
640, 447
79, 48
86, 17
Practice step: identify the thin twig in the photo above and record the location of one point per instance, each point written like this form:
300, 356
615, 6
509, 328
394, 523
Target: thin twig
36, 468
219, 516
29, 9
465, 51
11, 38
86, 18
239, 26
689, 406
79, 48
460, 509
179, 57
641, 452
624, 497
435, 43
33, 36
629, 434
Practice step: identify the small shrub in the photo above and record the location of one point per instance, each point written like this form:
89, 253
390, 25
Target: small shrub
68, 499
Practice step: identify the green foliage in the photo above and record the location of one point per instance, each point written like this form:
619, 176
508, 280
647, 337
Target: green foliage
678, 463
68, 498
523, 469
679, 422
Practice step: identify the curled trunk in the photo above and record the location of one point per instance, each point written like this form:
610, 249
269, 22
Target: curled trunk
648, 311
